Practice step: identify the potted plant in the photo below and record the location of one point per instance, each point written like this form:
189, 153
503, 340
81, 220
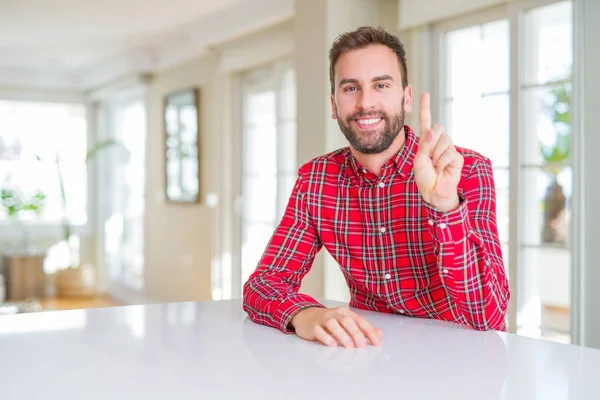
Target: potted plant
76, 279
556, 156
23, 266
16, 203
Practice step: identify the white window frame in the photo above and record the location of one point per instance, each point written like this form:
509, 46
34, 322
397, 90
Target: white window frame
277, 65
513, 12
101, 102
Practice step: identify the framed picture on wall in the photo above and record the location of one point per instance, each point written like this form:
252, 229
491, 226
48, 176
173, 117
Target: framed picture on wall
182, 148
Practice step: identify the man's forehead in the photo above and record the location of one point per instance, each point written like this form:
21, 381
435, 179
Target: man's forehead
367, 63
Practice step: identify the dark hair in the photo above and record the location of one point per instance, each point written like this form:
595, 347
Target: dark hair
363, 37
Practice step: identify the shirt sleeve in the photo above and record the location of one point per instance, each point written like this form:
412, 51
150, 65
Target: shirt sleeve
270, 296
469, 254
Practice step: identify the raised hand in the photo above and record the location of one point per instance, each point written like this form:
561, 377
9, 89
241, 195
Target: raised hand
437, 164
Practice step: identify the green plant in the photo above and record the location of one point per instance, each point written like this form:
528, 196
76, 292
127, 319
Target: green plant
559, 110
15, 202
90, 155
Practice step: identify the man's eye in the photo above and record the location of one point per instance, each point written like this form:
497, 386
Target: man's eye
350, 89
381, 86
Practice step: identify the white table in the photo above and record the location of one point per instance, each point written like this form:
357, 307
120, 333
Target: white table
212, 351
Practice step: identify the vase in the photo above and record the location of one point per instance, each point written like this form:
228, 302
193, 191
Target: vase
555, 201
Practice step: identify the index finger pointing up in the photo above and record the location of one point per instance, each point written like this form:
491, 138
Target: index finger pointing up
425, 114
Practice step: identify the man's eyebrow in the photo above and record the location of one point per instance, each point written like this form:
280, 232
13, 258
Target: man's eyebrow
376, 79
348, 80
382, 78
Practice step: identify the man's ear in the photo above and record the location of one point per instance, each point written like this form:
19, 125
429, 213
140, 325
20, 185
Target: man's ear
408, 98
333, 108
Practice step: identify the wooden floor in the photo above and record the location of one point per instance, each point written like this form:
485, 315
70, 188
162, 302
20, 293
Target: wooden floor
56, 303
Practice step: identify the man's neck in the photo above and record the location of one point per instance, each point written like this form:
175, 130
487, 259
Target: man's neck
374, 162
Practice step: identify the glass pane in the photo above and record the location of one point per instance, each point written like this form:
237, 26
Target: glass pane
260, 196
463, 68
544, 296
467, 116
259, 108
545, 207
255, 239
547, 125
172, 119
478, 60
189, 174
287, 147
260, 149
548, 42
495, 56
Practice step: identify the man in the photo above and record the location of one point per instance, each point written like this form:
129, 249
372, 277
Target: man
410, 220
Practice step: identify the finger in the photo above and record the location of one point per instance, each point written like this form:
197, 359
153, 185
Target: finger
373, 334
349, 324
443, 142
324, 337
449, 157
339, 333
425, 114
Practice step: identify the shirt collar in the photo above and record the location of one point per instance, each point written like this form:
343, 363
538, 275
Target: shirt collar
401, 162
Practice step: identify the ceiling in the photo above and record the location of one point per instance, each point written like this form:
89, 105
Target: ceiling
80, 44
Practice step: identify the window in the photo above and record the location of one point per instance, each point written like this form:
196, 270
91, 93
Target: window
124, 189
476, 104
545, 170
476, 100
269, 167
53, 132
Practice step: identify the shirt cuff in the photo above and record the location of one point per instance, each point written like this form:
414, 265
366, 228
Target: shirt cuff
290, 307
448, 227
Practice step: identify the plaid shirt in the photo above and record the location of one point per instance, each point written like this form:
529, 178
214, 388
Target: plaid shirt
397, 253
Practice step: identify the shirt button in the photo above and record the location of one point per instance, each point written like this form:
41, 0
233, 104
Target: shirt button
365, 170
431, 222
442, 225
402, 311
388, 276
381, 184
445, 271
382, 230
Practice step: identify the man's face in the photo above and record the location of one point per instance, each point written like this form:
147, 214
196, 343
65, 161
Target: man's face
368, 100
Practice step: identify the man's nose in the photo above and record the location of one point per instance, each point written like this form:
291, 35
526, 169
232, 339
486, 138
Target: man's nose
366, 100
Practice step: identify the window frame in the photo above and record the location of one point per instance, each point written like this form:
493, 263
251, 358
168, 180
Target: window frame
276, 66
103, 108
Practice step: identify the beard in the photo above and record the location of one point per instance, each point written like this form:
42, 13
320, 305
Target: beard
375, 141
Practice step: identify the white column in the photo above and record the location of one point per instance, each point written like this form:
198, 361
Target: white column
586, 142
317, 23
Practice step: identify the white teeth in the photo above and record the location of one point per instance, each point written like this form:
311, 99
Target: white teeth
369, 121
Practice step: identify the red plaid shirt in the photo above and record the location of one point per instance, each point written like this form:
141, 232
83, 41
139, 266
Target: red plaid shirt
398, 254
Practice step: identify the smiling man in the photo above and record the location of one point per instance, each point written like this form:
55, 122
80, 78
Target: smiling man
410, 220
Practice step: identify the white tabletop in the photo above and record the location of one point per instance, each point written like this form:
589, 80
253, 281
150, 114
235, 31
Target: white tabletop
212, 351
